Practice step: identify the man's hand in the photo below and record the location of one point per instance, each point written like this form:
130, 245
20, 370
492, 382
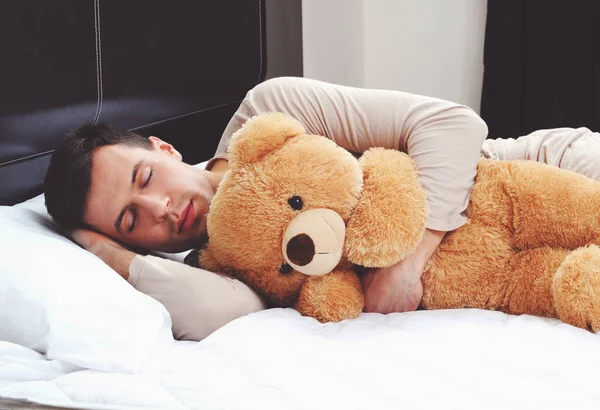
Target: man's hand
113, 254
398, 288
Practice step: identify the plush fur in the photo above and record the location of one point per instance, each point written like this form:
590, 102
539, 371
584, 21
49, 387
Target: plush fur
530, 244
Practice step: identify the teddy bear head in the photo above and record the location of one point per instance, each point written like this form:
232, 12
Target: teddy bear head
280, 212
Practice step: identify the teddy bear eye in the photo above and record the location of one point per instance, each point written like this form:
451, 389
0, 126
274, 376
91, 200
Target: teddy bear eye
285, 268
295, 202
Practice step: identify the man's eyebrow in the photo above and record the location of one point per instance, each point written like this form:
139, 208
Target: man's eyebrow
134, 173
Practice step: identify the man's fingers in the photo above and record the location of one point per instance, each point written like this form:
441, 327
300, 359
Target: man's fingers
367, 278
386, 293
371, 294
88, 239
379, 298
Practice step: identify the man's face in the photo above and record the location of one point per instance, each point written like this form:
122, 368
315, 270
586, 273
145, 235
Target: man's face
149, 198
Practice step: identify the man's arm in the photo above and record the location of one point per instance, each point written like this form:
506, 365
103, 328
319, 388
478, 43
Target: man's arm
198, 301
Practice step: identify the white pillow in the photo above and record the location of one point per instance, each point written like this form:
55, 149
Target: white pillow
64, 302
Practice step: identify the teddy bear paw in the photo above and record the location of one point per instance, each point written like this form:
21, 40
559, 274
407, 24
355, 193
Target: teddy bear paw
576, 288
333, 297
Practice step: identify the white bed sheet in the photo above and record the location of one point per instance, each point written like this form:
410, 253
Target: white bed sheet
276, 359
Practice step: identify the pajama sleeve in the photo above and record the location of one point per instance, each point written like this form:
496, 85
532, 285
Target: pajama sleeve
574, 149
198, 301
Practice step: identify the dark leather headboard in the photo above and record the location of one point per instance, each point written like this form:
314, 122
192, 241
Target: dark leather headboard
176, 69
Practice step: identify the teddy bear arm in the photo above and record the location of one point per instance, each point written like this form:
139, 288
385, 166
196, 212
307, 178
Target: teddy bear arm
389, 220
332, 297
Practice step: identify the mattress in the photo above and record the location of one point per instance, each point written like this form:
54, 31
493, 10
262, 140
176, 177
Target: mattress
277, 359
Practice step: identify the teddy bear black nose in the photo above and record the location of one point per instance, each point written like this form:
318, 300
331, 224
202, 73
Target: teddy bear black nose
301, 249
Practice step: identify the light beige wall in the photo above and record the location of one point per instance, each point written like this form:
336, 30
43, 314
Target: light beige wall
430, 47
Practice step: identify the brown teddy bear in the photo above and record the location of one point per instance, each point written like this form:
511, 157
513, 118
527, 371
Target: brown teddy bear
295, 214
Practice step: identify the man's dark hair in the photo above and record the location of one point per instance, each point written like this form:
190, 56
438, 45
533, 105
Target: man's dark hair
69, 176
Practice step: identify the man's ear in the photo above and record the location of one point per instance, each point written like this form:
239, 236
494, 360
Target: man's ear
261, 135
165, 147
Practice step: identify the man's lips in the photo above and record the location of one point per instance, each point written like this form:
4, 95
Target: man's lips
186, 218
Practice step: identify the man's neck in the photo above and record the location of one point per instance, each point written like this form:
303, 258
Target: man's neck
214, 178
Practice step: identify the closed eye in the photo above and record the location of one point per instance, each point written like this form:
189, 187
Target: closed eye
134, 217
133, 222
148, 177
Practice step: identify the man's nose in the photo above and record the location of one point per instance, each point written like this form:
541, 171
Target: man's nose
157, 206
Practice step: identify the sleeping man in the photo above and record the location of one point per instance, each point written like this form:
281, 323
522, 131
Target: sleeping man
122, 195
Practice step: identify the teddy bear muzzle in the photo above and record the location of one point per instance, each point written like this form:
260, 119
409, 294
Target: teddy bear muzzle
313, 241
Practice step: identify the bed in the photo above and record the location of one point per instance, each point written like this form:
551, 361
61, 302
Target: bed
463, 359
73, 334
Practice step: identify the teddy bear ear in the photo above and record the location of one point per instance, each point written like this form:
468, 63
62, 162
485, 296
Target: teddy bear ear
261, 135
